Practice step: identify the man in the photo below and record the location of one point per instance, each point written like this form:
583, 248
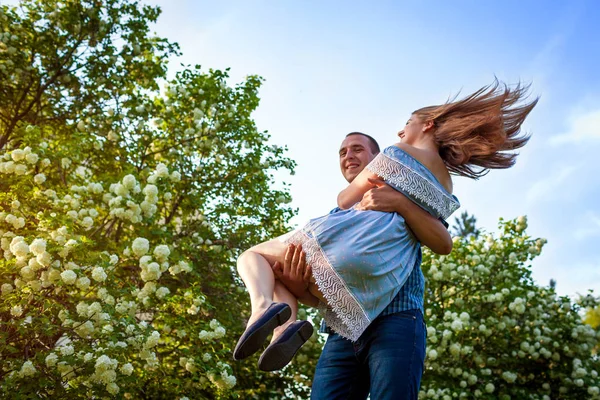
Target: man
387, 360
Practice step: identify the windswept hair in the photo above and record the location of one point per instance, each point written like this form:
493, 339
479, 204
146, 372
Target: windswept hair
474, 133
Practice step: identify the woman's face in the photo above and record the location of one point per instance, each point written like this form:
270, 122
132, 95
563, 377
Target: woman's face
413, 129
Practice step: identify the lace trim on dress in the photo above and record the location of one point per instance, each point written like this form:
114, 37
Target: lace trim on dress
411, 182
343, 312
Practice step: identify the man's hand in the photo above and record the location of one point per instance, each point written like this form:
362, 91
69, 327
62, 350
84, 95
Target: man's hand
294, 273
428, 229
381, 198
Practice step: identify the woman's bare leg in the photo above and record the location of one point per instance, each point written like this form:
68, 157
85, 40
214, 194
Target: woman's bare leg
254, 267
283, 295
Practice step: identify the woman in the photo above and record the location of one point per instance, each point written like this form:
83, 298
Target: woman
360, 259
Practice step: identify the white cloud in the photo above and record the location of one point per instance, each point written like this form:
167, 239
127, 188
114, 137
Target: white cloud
545, 187
583, 128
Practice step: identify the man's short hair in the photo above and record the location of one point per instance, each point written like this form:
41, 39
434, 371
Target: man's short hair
372, 142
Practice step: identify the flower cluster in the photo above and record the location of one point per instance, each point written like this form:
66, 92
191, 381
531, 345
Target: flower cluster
119, 202
494, 334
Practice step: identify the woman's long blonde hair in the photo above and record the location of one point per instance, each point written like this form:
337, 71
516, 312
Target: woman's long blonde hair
473, 133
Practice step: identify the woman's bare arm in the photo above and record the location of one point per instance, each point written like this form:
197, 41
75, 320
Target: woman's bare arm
355, 191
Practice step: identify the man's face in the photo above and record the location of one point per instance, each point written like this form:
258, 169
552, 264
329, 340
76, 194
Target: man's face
355, 154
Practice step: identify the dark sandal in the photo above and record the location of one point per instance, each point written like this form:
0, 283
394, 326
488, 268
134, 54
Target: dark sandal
279, 353
256, 334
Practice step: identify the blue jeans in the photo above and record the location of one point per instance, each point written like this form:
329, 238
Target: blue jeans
387, 361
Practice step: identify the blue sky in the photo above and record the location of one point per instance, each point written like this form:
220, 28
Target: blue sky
339, 66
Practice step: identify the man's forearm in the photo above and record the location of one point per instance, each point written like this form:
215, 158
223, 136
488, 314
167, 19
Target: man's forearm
309, 299
429, 230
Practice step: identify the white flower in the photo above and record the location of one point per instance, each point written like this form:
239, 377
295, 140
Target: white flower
175, 176
18, 246
27, 273
151, 190
51, 359
112, 388
87, 222
83, 283
161, 252
206, 357
38, 246
152, 339
509, 377
32, 158
16, 311
126, 369
140, 246
191, 366
27, 369
85, 329
203, 335
162, 171
220, 332
98, 274
17, 155
69, 277
6, 288
456, 325
129, 181
66, 350
20, 169
432, 354
120, 190
44, 259
230, 381
490, 388
162, 292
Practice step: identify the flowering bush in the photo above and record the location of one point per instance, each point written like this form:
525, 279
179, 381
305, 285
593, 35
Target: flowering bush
492, 333
122, 210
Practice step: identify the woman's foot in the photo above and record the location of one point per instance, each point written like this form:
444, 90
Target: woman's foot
260, 325
283, 347
280, 329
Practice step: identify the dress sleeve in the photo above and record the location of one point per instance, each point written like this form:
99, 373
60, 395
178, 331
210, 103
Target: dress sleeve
410, 178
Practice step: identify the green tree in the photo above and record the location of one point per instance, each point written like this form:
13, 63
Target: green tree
465, 226
123, 206
494, 334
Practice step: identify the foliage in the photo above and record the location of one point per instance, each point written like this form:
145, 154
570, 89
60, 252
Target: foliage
123, 207
494, 334
465, 225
